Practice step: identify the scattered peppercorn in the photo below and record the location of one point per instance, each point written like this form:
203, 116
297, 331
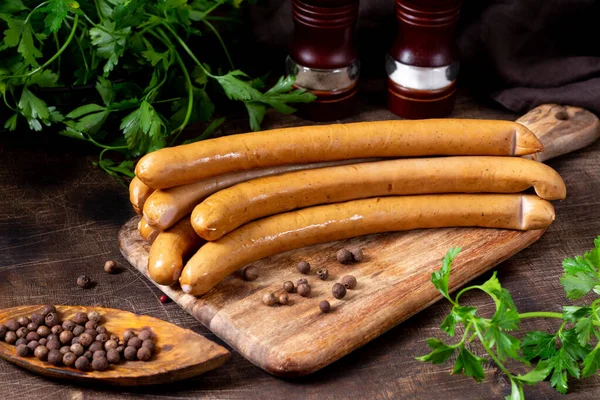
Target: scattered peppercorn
32, 336
55, 357
349, 281
47, 310
113, 356
22, 332
37, 318
134, 342
145, 335
323, 274
80, 318
43, 331
23, 350
85, 339
53, 344
84, 282
31, 327
94, 316
82, 363
130, 353
269, 299
52, 337
301, 281
111, 344
288, 286
11, 337
98, 354
325, 306
68, 325
78, 330
338, 290
66, 337
129, 333
51, 319
69, 359
303, 267
91, 332
144, 354
102, 338
304, 289
357, 254
149, 344
250, 273
65, 349
21, 341
344, 256
57, 329
282, 299
91, 325
101, 329
23, 321
41, 353
77, 349
164, 299
12, 324
111, 267
33, 345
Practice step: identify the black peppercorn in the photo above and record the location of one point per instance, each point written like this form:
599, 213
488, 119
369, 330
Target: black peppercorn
303, 267
66, 337
344, 256
51, 319
82, 364
323, 274
144, 354
78, 330
301, 281
145, 335
98, 354
52, 337
94, 316
102, 338
91, 332
134, 342
77, 349
21, 341
3, 330
55, 357
304, 289
282, 298
149, 344
111, 267
12, 324
32, 336
31, 327
288, 286
101, 329
96, 346
349, 281
69, 359
53, 345
23, 350
47, 310
41, 353
80, 318
269, 299
250, 273
68, 325
85, 339
357, 254
88, 354
65, 349
11, 337
43, 341
338, 290
91, 325
100, 364
43, 331
37, 318
84, 282
56, 330
22, 332
130, 353
33, 345
113, 356
23, 321
111, 345
324, 306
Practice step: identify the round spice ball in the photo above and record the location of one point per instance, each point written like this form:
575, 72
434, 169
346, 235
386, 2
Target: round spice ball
357, 254
78, 330
55, 357
52, 337
250, 273
91, 332
111, 345
113, 356
96, 346
130, 353
41, 353
75, 340
304, 289
145, 335
338, 290
33, 345
91, 325
3, 330
129, 333
51, 319
349, 281
149, 344
66, 337
65, 349
134, 342
288, 286
282, 298
80, 318
43, 331
84, 282
301, 281
82, 363
101, 329
31, 327
303, 267
164, 299
324, 306
94, 316
53, 345
100, 364
269, 299
323, 274
12, 324
77, 349
85, 339
98, 354
344, 256
43, 341
68, 325
88, 354
32, 336
111, 267
47, 310
144, 354
21, 341
69, 359
23, 350
102, 338
37, 318
11, 337
22, 332
121, 349
56, 330
23, 321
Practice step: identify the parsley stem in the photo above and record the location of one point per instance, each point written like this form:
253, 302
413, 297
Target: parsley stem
166, 100
540, 314
489, 351
185, 46
220, 39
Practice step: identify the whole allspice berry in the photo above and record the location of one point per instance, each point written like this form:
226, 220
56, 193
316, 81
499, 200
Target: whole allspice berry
11, 337
22, 332
56, 329
82, 363
149, 344
52, 337
52, 319
55, 357
130, 353
21, 341
23, 350
23, 321
357, 254
111, 267
31, 327
33, 345
144, 354
304, 289
349, 281
53, 344
338, 290
69, 359
288, 286
43, 341
47, 310
43, 331
113, 356
145, 335
250, 273
101, 329
88, 354
114, 337
99, 354
323, 274
111, 345
91, 325
344, 256
129, 333
37, 318
102, 338
65, 349
94, 316
32, 336
268, 299
66, 337
324, 306
84, 282
91, 332
282, 298
85, 339
96, 346
12, 324
3, 330
303, 267
134, 342
78, 330
301, 281
68, 325
77, 349
41, 353
80, 318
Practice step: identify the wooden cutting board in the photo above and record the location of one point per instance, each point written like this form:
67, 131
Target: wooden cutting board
393, 280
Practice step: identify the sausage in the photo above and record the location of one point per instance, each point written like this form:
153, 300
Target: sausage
165, 207
230, 208
169, 251
193, 162
138, 194
147, 232
325, 223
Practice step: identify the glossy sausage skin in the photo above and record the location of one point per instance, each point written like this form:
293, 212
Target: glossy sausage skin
193, 162
230, 208
326, 223
170, 250
165, 207
138, 194
147, 232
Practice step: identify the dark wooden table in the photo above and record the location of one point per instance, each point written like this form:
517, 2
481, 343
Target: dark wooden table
59, 217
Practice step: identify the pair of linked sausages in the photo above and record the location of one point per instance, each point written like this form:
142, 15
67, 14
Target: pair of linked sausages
257, 194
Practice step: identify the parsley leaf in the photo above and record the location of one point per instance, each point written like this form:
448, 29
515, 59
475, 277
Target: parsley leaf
440, 354
469, 364
144, 129
591, 363
580, 274
57, 11
440, 278
538, 344
36, 111
110, 43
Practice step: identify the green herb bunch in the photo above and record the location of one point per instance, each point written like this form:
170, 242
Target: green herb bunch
143, 62
573, 350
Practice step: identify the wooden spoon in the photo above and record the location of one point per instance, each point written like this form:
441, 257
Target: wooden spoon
180, 353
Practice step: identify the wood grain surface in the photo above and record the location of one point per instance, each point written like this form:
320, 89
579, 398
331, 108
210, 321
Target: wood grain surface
180, 353
60, 215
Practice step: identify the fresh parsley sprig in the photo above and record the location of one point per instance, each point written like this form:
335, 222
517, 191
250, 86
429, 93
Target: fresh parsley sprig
573, 350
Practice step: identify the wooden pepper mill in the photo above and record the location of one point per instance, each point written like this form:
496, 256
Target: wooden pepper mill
323, 57
422, 65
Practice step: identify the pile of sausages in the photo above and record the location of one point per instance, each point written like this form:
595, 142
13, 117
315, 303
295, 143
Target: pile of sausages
230, 201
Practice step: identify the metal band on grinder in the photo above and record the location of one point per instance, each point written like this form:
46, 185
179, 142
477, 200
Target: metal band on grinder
421, 78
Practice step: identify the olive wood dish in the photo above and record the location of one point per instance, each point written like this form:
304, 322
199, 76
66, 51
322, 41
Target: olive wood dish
180, 353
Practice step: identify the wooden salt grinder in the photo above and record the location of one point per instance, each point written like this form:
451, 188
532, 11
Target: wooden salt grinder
422, 65
323, 56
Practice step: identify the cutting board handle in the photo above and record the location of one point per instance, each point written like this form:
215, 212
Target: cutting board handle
561, 129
